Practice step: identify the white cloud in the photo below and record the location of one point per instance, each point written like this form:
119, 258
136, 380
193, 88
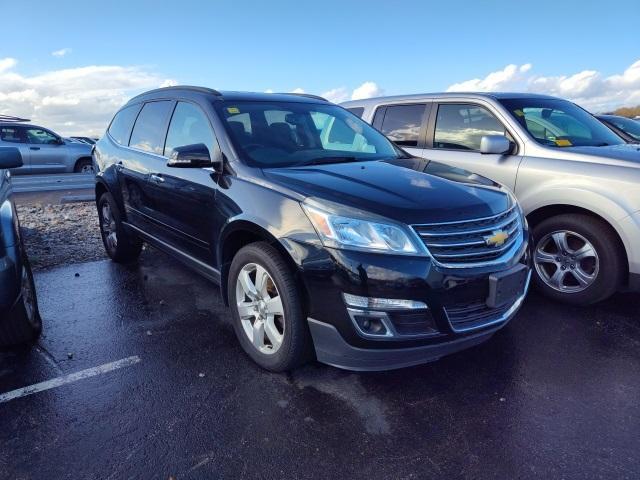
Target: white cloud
169, 82
589, 88
336, 95
61, 53
298, 90
7, 63
367, 90
72, 101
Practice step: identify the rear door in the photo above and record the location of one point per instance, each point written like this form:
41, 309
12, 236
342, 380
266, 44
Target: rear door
183, 198
453, 138
404, 124
14, 136
47, 151
144, 156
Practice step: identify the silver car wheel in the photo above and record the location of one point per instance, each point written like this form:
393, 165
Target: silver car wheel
109, 228
87, 169
566, 261
260, 308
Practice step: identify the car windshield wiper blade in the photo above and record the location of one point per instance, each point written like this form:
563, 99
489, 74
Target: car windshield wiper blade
327, 160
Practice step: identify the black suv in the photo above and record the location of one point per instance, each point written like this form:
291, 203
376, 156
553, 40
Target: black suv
19, 316
325, 238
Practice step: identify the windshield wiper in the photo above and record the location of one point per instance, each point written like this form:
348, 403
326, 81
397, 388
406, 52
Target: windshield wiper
328, 160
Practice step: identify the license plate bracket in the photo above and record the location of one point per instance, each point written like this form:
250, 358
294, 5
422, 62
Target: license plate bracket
505, 287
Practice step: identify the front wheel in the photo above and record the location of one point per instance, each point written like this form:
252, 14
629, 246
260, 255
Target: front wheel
84, 165
578, 259
268, 316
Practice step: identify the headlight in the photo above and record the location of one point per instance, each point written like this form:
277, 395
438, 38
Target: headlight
359, 234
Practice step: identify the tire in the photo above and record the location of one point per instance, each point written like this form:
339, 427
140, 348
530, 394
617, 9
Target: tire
84, 165
589, 275
24, 323
291, 345
120, 245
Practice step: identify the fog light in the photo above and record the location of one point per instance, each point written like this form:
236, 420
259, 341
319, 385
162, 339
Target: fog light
371, 324
382, 303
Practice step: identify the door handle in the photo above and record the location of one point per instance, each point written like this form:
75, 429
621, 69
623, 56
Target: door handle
157, 178
34, 148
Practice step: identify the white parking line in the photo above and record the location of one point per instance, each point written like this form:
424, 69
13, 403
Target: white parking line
72, 377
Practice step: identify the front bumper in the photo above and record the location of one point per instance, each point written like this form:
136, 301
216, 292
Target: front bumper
333, 350
457, 314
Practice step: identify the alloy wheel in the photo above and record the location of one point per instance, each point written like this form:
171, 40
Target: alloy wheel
109, 228
566, 261
260, 308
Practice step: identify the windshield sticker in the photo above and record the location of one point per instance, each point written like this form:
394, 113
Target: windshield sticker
519, 113
233, 110
562, 142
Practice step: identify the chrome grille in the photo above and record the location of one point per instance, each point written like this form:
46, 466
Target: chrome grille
465, 242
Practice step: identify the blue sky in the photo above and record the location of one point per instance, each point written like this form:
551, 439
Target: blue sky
401, 47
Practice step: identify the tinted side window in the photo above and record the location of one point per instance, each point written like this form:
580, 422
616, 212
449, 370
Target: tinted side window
402, 124
189, 125
121, 124
357, 111
150, 129
39, 136
461, 127
12, 134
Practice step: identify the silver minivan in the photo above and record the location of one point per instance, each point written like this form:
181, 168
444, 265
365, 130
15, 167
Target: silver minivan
577, 181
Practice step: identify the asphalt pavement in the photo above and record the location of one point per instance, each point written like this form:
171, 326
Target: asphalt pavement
140, 376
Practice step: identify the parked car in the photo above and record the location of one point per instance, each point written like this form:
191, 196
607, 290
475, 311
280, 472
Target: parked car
576, 180
44, 151
625, 127
323, 236
88, 140
20, 320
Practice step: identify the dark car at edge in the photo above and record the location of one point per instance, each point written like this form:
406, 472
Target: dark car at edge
20, 320
327, 241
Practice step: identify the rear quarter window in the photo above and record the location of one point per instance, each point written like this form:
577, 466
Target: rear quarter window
120, 127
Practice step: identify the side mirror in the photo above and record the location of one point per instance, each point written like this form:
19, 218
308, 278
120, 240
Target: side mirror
10, 157
190, 156
496, 144
60, 141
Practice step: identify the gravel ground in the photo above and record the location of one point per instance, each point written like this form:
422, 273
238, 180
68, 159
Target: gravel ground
61, 234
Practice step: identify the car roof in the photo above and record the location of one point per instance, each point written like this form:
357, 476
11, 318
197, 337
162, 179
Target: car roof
443, 95
18, 124
187, 91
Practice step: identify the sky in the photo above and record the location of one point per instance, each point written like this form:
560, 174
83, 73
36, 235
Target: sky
69, 65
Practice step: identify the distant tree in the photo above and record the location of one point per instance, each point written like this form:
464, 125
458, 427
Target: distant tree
630, 112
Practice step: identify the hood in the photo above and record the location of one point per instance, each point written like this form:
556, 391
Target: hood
626, 152
79, 146
398, 190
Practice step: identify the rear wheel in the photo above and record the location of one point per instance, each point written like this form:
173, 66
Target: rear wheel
84, 165
578, 259
24, 323
268, 317
119, 244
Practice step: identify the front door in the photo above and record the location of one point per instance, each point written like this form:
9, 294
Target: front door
454, 138
183, 198
47, 151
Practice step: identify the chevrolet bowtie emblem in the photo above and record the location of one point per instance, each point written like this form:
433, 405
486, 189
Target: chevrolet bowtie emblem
497, 239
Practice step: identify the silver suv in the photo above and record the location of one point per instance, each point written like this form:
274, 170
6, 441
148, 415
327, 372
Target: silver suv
577, 181
44, 151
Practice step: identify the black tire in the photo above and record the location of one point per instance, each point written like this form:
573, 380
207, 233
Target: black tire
611, 269
127, 247
84, 165
24, 323
296, 347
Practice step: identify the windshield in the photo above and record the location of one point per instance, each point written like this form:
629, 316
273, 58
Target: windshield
284, 134
559, 123
632, 127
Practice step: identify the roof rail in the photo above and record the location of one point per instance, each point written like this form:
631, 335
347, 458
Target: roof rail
10, 118
308, 95
210, 91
